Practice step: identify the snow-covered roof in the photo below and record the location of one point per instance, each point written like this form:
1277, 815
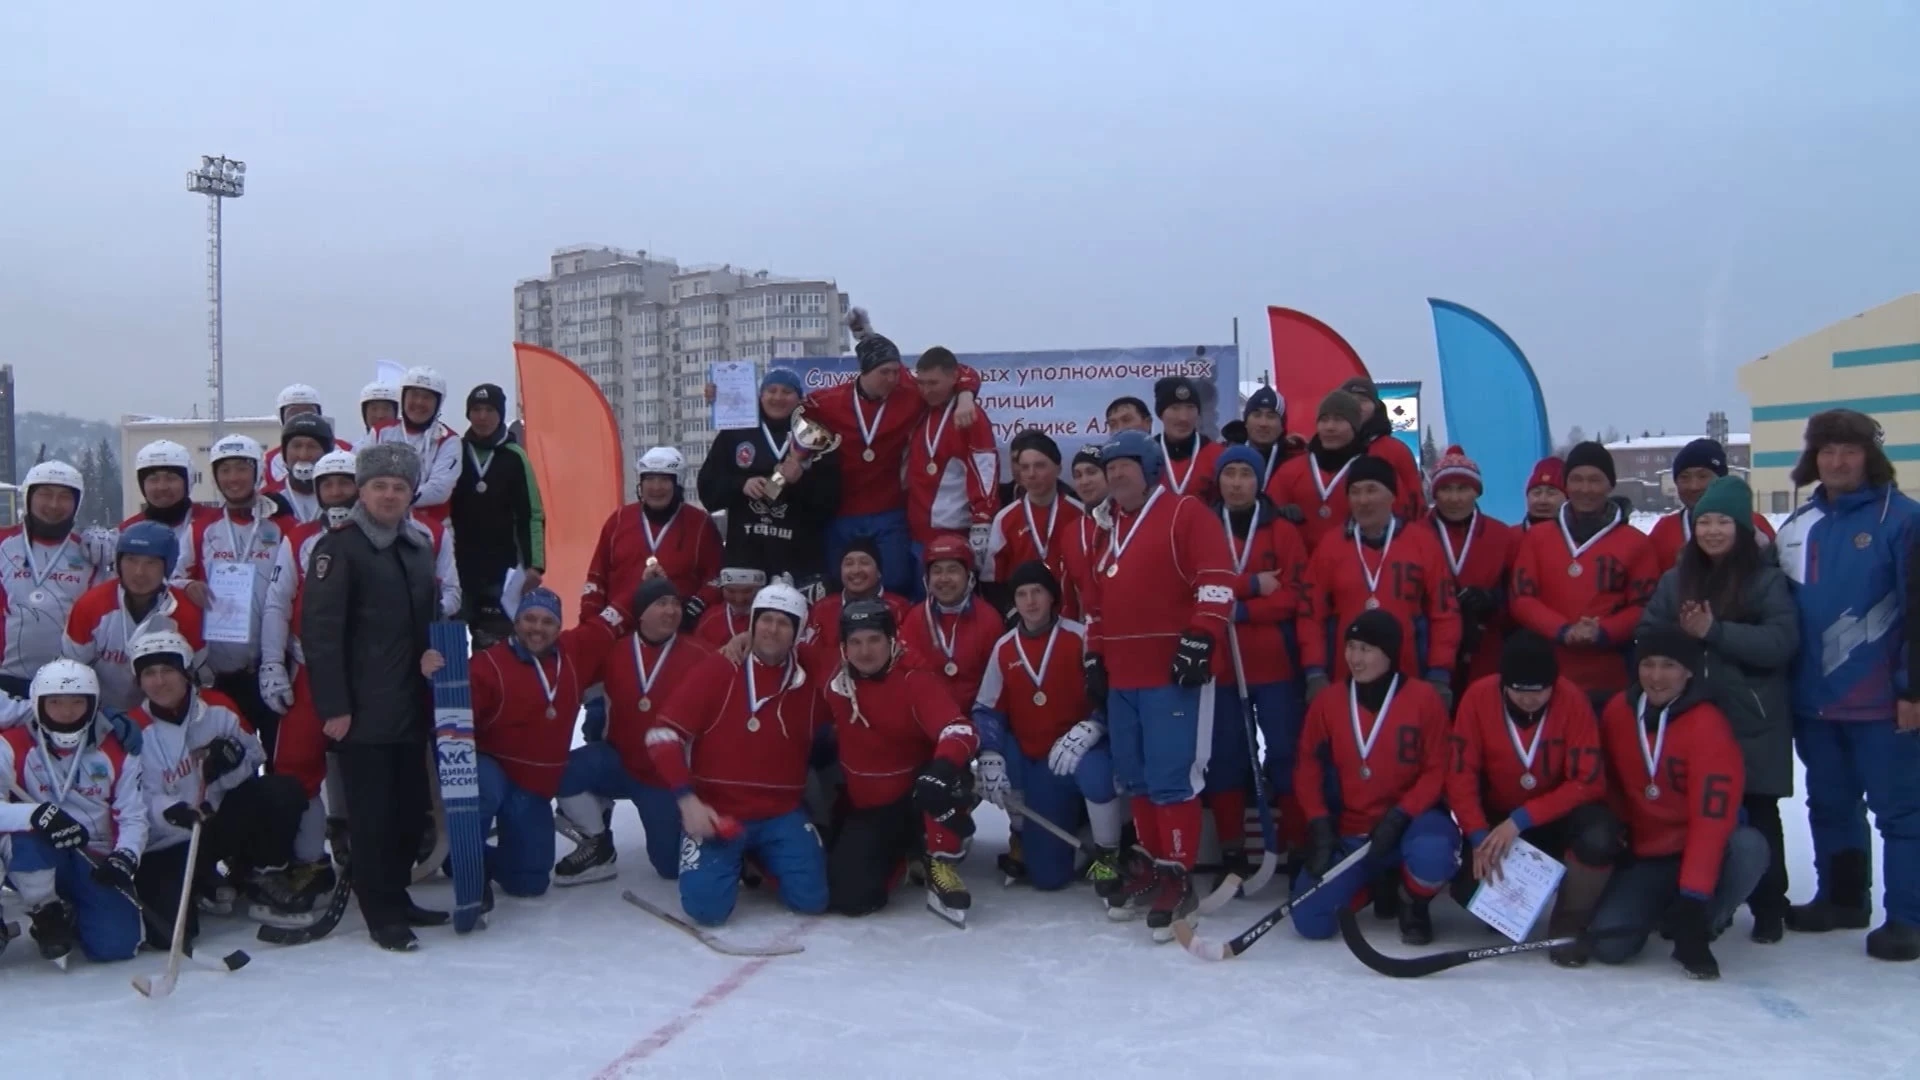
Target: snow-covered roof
137, 419
1676, 442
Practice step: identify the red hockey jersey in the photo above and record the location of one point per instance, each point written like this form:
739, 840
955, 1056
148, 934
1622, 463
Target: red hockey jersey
1163, 570
953, 474
1260, 617
720, 624
1192, 475
749, 743
1035, 684
1023, 532
1087, 541
1673, 531
1611, 579
1406, 761
957, 645
1486, 783
1410, 498
1479, 554
639, 679
888, 729
1689, 804
1407, 579
516, 722
688, 547
873, 437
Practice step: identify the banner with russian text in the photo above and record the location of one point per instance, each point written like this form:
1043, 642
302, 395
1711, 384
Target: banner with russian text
1066, 392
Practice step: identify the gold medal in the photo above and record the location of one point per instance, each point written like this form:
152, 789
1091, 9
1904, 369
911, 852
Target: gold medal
932, 469
1574, 570
1039, 697
952, 668
753, 723
646, 704
1114, 570
867, 454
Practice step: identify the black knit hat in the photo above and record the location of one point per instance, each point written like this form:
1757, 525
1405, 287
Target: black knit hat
489, 395
1377, 469
650, 592
1591, 454
1174, 390
1380, 630
1034, 439
863, 543
1088, 454
1528, 662
1035, 572
1671, 642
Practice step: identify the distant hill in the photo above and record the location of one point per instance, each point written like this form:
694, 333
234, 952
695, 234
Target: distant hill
79, 443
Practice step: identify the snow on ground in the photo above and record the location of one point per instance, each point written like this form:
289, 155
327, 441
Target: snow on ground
579, 984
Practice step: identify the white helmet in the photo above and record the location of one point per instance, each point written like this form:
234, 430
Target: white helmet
379, 391
58, 474
663, 461
783, 598
424, 378
334, 463
237, 446
297, 394
58, 677
163, 454
160, 643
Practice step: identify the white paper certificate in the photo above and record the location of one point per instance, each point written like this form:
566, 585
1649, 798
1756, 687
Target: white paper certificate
1511, 905
230, 620
736, 395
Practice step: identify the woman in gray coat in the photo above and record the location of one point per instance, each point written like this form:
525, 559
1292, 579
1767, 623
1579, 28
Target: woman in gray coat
1727, 591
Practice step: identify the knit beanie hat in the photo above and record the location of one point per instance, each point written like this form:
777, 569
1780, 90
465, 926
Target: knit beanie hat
1378, 629
1034, 439
1361, 386
1341, 406
1088, 454
1528, 662
542, 598
489, 395
863, 543
873, 349
782, 377
1701, 454
1035, 572
1592, 454
1455, 467
1549, 472
1174, 390
1244, 455
1670, 641
1377, 469
398, 460
1728, 495
650, 592
1264, 398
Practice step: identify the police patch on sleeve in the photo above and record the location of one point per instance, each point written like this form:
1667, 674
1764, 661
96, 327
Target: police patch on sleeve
322, 564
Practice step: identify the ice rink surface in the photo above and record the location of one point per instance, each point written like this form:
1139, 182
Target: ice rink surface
580, 984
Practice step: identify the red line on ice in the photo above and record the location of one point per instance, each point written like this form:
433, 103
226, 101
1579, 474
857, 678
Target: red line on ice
672, 1029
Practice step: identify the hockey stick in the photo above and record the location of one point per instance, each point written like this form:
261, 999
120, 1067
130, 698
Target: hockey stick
1018, 806
1226, 950
706, 937
147, 985
1230, 885
1414, 967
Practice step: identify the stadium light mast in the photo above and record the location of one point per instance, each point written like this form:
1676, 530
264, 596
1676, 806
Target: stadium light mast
217, 178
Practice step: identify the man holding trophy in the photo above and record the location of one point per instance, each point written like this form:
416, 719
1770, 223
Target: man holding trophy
779, 484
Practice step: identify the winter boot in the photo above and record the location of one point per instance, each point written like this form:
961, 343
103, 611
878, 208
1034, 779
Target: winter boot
1136, 883
1691, 933
1843, 902
1416, 921
1769, 926
1012, 864
1386, 894
53, 929
1894, 940
1172, 899
592, 861
394, 938
1573, 908
419, 916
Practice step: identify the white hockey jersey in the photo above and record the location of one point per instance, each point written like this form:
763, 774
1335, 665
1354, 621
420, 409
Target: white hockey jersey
171, 756
100, 629
99, 785
41, 584
280, 626
222, 541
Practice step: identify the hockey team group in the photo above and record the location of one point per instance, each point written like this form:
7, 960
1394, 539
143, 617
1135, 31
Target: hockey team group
807, 682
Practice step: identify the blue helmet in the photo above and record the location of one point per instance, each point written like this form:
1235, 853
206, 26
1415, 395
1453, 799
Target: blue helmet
1139, 447
148, 538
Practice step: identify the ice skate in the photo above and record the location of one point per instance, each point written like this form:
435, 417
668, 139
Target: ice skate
594, 860
1173, 898
947, 894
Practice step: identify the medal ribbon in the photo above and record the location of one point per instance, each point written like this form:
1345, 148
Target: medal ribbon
1046, 656
1360, 550
1117, 547
1651, 754
1379, 719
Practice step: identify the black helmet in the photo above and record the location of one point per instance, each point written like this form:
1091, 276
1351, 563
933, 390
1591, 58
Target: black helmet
866, 615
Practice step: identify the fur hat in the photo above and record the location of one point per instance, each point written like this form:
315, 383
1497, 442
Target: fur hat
1592, 454
1456, 467
1848, 427
398, 460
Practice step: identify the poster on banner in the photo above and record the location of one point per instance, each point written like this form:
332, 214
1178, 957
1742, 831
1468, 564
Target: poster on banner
1402, 400
1065, 392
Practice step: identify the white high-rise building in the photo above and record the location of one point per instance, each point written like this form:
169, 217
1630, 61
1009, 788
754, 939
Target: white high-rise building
645, 329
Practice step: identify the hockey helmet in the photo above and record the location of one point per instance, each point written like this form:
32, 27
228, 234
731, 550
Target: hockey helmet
159, 647
1137, 446
305, 426
783, 598
947, 547
151, 539
163, 454
56, 474
662, 461
379, 391
424, 378
334, 463
58, 678
866, 615
295, 395
231, 447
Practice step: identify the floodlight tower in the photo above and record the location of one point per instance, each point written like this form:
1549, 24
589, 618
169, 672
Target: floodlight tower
217, 178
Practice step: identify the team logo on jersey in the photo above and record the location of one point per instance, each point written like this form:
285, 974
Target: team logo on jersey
322, 564
743, 455
1863, 541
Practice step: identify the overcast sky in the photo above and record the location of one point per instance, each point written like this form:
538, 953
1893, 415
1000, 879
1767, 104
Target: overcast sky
1645, 195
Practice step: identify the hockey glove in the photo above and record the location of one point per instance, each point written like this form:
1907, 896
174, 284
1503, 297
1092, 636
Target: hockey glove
1068, 749
1687, 921
1322, 842
1316, 682
1386, 836
125, 730
994, 785
276, 689
940, 791
58, 828
183, 815
1444, 687
1477, 605
1095, 671
1291, 512
116, 871
1192, 658
690, 613
224, 755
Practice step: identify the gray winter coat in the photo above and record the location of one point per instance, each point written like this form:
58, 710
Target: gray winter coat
1748, 663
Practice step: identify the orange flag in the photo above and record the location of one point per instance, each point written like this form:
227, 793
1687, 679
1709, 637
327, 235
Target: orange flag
575, 447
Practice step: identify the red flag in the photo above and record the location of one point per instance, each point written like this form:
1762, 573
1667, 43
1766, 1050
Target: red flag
575, 446
1310, 361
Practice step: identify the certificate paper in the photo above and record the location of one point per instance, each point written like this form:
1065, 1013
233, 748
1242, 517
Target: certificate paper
1511, 905
736, 395
230, 620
